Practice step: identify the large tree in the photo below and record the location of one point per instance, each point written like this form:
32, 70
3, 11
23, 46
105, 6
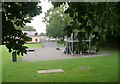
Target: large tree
56, 20
17, 14
98, 19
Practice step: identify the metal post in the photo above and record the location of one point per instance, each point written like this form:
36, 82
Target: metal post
67, 46
72, 43
89, 44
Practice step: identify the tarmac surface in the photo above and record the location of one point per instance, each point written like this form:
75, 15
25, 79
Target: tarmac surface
49, 52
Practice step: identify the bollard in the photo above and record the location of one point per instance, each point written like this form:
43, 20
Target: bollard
14, 57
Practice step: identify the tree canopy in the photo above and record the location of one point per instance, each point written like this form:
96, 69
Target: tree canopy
25, 28
94, 18
56, 20
42, 34
17, 14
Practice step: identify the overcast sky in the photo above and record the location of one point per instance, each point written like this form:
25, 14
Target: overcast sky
37, 21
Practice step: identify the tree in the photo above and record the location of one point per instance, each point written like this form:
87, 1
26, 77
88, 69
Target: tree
56, 20
54, 29
17, 14
25, 28
108, 22
98, 19
42, 34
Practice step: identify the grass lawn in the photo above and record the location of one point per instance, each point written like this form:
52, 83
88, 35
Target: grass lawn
98, 69
0, 65
34, 45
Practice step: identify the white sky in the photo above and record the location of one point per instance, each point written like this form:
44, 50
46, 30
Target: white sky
37, 21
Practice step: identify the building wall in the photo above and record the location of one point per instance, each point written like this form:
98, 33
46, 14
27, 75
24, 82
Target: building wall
35, 39
33, 35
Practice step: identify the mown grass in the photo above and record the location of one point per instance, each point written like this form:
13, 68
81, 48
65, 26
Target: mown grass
98, 69
0, 64
34, 45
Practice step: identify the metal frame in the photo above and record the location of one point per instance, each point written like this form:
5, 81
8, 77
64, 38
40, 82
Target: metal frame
70, 44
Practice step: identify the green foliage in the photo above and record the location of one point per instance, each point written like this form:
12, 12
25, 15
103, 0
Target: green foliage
107, 19
25, 28
43, 34
97, 20
56, 20
17, 14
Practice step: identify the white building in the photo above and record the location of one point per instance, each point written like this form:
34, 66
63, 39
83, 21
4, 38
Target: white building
34, 35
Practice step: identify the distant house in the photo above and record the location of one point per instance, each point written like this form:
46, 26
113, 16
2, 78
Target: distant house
44, 38
34, 35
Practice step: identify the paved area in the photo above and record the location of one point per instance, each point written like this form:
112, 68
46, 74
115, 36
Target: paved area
49, 52
52, 54
50, 44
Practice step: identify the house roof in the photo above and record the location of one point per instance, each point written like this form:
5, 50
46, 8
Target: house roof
30, 33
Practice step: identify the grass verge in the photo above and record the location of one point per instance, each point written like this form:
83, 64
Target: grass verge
98, 69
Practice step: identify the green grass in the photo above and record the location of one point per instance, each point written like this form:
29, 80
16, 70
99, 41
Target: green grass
98, 69
34, 45
0, 65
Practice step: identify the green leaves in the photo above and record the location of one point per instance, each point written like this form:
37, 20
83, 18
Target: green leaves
17, 14
16, 41
57, 22
68, 30
97, 20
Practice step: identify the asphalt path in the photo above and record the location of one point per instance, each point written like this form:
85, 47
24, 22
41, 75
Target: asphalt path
49, 52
